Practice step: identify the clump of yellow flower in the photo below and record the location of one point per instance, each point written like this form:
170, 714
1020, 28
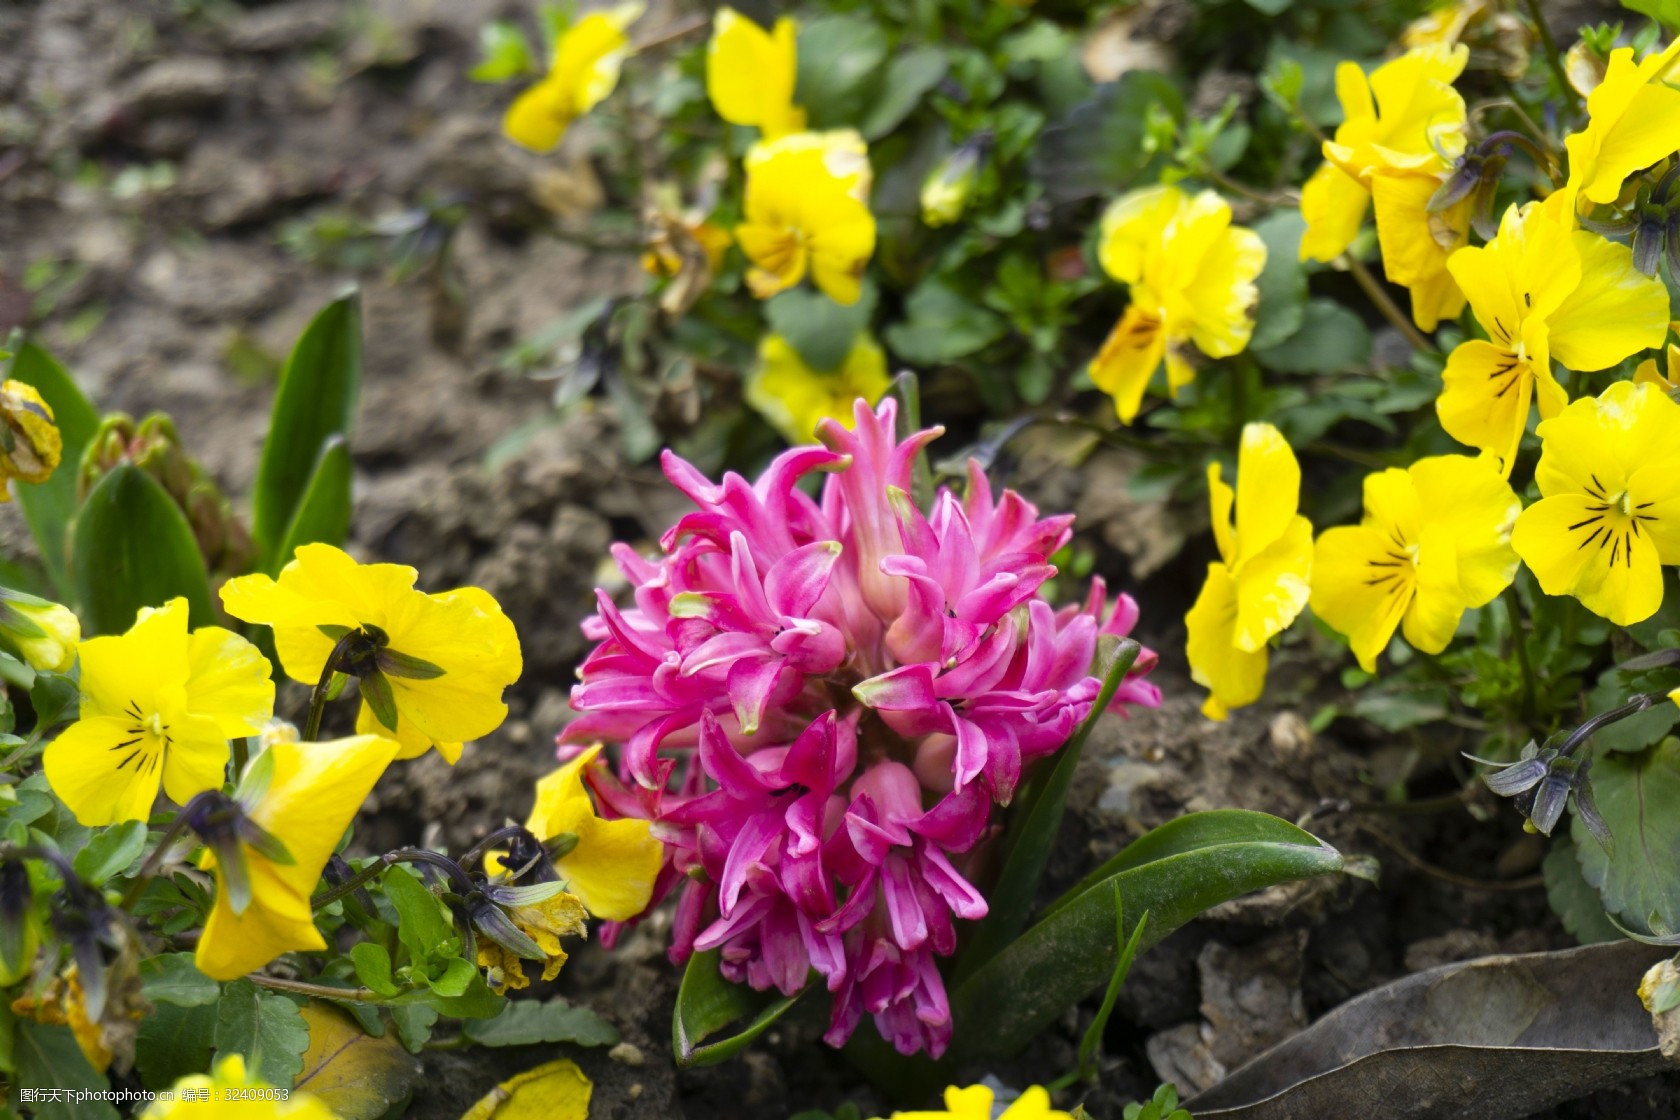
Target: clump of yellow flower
807, 212
442, 660
158, 707
45, 634
1608, 517
312, 793
1405, 117
1191, 274
1633, 122
794, 397
1417, 244
1260, 582
976, 1103
1435, 541
546, 922
587, 59
205, 1095
30, 442
1541, 290
609, 865
750, 73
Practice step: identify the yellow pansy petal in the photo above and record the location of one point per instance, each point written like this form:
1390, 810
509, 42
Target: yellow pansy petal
840, 249
1614, 311
1416, 243
1633, 121
1484, 399
750, 72
1234, 677
1432, 617
1130, 233
1657, 488
1129, 358
1471, 501
795, 398
1615, 574
1268, 489
1345, 596
411, 741
147, 660
587, 58
104, 770
1273, 586
562, 802
276, 921
1223, 294
465, 634
195, 760
229, 681
314, 793
1601, 442
539, 117
1333, 206
1221, 501
1034, 1104
613, 867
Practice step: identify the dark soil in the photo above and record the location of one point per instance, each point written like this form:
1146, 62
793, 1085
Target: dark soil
153, 156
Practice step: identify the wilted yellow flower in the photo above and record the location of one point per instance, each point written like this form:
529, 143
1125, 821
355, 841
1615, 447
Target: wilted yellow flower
1478, 22
30, 443
750, 73
559, 915
1608, 517
1416, 244
158, 707
312, 793
1261, 580
199, 1096
45, 634
1541, 290
587, 59
1435, 541
63, 1003
976, 1103
1633, 122
806, 211
795, 398
1192, 280
436, 664
1405, 117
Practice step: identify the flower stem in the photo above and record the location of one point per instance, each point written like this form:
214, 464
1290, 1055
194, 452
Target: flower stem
318, 696
322, 991
366, 875
477, 851
1387, 306
149, 869
1513, 607
457, 877
1549, 44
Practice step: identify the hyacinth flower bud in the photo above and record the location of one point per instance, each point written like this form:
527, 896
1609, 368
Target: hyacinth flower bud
44, 633
30, 443
946, 191
154, 446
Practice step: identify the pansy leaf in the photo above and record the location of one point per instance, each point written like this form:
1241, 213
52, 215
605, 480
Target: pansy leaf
527, 1022
421, 926
1572, 898
1331, 339
821, 330
373, 967
1282, 283
175, 1040
1100, 146
110, 851
839, 59
263, 1026
942, 325
173, 978
708, 1004
133, 548
48, 1057
906, 80
353, 1073
1639, 798
323, 512
316, 400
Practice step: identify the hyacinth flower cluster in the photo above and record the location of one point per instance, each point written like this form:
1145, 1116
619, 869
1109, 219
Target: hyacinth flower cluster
822, 705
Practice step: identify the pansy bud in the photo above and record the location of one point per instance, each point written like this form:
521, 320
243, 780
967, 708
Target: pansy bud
19, 928
946, 191
44, 633
30, 443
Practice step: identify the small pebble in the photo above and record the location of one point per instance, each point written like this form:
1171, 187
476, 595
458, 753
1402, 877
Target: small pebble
635, 1090
628, 1054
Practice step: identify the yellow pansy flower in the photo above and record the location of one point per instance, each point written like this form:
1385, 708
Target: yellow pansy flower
1405, 117
1669, 380
1541, 291
1192, 276
975, 1103
312, 794
545, 922
158, 707
1435, 541
587, 59
1260, 582
1608, 517
30, 442
45, 634
1416, 244
806, 212
1633, 122
794, 397
199, 1095
750, 73
434, 665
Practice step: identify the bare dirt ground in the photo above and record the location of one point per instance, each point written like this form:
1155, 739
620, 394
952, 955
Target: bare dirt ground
170, 174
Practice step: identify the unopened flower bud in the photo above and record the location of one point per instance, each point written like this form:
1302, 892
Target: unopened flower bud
945, 192
44, 634
30, 443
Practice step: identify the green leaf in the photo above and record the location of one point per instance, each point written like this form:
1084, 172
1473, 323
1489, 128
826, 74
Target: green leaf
1270, 7
373, 967
356, 1075
323, 513
456, 977
507, 53
421, 925
1331, 339
133, 548
820, 329
707, 1004
1034, 824
1173, 872
48, 1058
174, 1041
1283, 282
1572, 897
266, 1028
1665, 12
50, 506
173, 978
942, 325
110, 851
527, 1021
476, 1002
839, 59
1639, 797
1636, 732
1122, 968
414, 1024
908, 78
316, 400
1099, 147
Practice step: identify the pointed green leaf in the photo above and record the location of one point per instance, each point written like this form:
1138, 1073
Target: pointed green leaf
133, 548
50, 506
174, 1042
707, 1004
110, 851
527, 1022
323, 513
173, 978
48, 1058
266, 1028
316, 400
1173, 873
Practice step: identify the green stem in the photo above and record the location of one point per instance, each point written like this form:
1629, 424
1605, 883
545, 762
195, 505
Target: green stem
1389, 309
148, 870
1513, 607
457, 878
321, 991
1549, 44
366, 875
241, 755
